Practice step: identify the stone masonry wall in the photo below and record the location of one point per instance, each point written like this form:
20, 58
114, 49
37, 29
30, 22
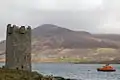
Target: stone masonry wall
18, 47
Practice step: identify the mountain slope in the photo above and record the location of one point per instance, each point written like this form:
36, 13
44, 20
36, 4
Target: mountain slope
69, 38
54, 43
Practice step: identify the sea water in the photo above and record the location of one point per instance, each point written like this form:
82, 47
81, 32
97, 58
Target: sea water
76, 71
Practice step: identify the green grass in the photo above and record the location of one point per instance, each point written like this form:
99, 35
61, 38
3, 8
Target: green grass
105, 50
72, 60
9, 74
12, 74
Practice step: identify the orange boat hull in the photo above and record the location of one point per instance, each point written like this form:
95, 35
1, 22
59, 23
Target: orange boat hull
106, 70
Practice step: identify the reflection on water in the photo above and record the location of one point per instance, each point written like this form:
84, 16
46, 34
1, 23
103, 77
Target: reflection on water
76, 71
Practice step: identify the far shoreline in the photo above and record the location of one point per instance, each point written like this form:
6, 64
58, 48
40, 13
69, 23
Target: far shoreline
63, 63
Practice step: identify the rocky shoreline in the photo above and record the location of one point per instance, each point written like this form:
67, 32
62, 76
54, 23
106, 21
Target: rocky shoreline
10, 74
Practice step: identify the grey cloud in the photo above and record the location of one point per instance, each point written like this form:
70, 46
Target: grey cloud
85, 20
88, 15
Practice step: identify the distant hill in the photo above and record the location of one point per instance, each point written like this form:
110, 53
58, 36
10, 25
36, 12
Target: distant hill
62, 37
51, 41
47, 30
114, 37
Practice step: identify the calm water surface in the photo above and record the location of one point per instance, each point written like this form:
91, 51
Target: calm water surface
76, 71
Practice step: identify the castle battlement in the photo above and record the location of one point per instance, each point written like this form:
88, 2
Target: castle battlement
16, 29
18, 47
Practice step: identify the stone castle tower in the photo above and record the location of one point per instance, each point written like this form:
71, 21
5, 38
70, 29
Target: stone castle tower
18, 47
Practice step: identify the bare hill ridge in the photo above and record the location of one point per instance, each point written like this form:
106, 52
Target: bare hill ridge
69, 38
53, 43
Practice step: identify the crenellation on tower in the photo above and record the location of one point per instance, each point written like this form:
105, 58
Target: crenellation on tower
29, 28
15, 29
9, 25
14, 26
18, 47
9, 29
22, 30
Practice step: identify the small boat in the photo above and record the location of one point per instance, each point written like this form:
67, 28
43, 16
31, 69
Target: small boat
106, 68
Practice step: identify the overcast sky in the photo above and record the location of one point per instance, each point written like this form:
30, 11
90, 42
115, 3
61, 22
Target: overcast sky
96, 16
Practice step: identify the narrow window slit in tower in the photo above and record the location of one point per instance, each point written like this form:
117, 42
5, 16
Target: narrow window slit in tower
22, 67
16, 68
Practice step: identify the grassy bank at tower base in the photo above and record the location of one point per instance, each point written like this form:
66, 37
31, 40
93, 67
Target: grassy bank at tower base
10, 74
